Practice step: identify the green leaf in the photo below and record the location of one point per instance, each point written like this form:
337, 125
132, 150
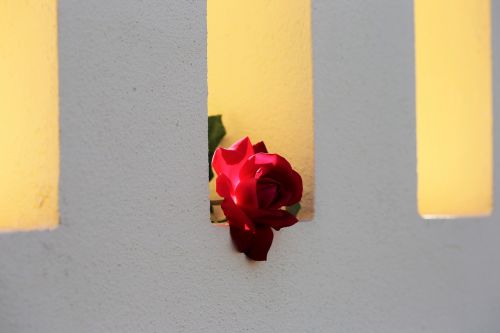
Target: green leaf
216, 132
294, 209
210, 172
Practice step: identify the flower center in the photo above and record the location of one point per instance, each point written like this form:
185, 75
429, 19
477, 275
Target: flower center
267, 192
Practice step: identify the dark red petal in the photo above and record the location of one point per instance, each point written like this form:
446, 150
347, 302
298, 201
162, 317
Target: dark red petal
241, 238
223, 186
267, 193
260, 147
266, 165
260, 244
245, 194
275, 219
236, 217
296, 188
291, 188
281, 171
229, 161
281, 195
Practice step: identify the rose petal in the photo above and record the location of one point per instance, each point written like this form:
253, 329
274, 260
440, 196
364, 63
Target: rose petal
260, 244
290, 181
275, 219
267, 192
229, 161
274, 168
263, 164
296, 189
281, 197
223, 186
236, 217
245, 195
260, 147
241, 238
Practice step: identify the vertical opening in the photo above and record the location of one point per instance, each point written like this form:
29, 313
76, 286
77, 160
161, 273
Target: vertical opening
29, 148
260, 78
454, 107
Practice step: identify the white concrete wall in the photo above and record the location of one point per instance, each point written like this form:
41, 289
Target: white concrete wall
135, 251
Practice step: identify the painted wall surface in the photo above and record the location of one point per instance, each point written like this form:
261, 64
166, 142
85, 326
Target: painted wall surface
453, 70
29, 115
135, 251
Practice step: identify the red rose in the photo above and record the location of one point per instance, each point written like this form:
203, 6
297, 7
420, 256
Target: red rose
255, 186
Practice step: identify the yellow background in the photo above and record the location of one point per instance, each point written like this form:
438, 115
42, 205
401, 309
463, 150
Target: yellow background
260, 78
454, 107
29, 146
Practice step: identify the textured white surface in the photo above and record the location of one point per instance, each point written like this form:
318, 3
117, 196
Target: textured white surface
135, 252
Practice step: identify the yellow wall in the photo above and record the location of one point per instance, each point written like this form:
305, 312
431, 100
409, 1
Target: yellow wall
454, 107
260, 78
29, 149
